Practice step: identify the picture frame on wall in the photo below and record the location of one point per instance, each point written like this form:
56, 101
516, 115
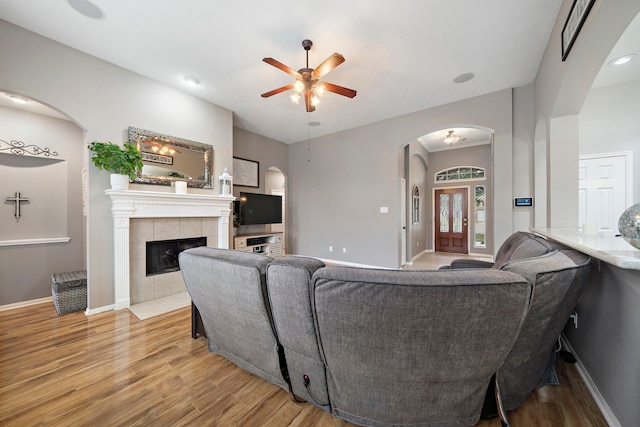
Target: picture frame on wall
577, 15
246, 172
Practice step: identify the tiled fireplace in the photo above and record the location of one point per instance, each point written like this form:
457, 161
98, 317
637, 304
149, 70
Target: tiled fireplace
141, 216
147, 286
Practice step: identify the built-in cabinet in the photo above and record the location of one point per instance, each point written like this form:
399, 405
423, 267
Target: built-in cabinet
260, 243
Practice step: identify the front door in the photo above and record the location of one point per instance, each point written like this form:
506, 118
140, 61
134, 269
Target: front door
451, 225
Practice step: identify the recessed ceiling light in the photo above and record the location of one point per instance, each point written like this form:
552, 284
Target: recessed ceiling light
191, 81
16, 98
622, 60
464, 77
86, 8
314, 123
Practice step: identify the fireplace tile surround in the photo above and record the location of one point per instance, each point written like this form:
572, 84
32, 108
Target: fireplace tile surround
145, 288
161, 215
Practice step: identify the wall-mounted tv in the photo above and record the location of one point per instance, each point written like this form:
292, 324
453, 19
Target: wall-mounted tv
259, 209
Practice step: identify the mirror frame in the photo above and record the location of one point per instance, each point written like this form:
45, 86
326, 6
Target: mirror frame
137, 135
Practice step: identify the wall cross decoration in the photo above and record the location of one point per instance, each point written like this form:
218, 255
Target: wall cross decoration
17, 199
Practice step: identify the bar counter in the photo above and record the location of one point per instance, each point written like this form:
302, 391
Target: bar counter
603, 246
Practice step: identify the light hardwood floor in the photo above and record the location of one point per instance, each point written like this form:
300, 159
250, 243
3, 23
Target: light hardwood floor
111, 369
433, 260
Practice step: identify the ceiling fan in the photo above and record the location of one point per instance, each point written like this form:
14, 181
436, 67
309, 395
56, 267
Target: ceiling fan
308, 82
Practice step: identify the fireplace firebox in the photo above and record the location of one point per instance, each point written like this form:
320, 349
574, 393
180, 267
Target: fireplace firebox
162, 255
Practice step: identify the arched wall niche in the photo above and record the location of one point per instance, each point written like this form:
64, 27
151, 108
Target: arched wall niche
41, 157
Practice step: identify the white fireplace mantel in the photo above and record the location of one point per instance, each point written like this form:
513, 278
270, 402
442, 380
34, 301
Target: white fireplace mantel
127, 204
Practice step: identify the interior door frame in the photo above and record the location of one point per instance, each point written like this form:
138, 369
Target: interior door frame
404, 238
434, 209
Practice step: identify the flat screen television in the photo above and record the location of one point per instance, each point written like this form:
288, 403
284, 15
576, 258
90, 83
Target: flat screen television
259, 209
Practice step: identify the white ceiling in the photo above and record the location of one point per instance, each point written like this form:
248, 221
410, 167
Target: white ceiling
401, 56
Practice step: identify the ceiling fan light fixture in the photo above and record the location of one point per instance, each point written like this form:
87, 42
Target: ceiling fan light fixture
295, 97
307, 80
451, 138
191, 81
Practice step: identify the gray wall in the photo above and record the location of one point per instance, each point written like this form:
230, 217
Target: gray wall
523, 155
268, 153
54, 188
105, 100
340, 181
607, 338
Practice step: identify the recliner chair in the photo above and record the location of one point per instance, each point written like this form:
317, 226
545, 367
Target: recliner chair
229, 290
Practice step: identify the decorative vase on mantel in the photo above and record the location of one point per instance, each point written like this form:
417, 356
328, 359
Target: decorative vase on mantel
119, 181
629, 225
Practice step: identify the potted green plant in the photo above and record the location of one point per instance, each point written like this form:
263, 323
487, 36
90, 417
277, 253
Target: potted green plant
123, 163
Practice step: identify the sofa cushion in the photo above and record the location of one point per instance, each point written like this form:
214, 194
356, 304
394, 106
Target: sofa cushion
414, 347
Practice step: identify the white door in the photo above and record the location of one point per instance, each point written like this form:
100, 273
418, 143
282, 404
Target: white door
603, 189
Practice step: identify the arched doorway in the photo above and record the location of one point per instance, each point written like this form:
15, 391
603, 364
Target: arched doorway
275, 184
463, 164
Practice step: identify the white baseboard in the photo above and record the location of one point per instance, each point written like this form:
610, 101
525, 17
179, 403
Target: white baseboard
90, 311
25, 303
87, 312
593, 389
419, 255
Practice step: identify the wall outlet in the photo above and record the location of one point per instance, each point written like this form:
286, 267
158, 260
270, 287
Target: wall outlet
574, 316
330, 248
344, 250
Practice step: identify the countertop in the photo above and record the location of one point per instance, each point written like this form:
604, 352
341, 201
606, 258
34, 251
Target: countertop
603, 246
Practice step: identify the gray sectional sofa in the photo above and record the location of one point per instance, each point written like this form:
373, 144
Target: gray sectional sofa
386, 347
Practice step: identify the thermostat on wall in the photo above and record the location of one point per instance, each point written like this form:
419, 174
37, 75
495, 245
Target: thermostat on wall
523, 201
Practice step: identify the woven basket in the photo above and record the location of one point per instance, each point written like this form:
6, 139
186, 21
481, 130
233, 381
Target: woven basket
69, 291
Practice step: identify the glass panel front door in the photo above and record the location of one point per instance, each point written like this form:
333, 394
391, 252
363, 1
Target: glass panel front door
451, 226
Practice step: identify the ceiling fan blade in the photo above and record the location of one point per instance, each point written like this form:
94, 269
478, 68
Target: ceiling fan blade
282, 67
340, 90
329, 64
277, 91
307, 102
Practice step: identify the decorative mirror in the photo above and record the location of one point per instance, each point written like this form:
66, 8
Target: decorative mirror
168, 159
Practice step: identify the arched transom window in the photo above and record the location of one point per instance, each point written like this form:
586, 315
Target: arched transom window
461, 173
